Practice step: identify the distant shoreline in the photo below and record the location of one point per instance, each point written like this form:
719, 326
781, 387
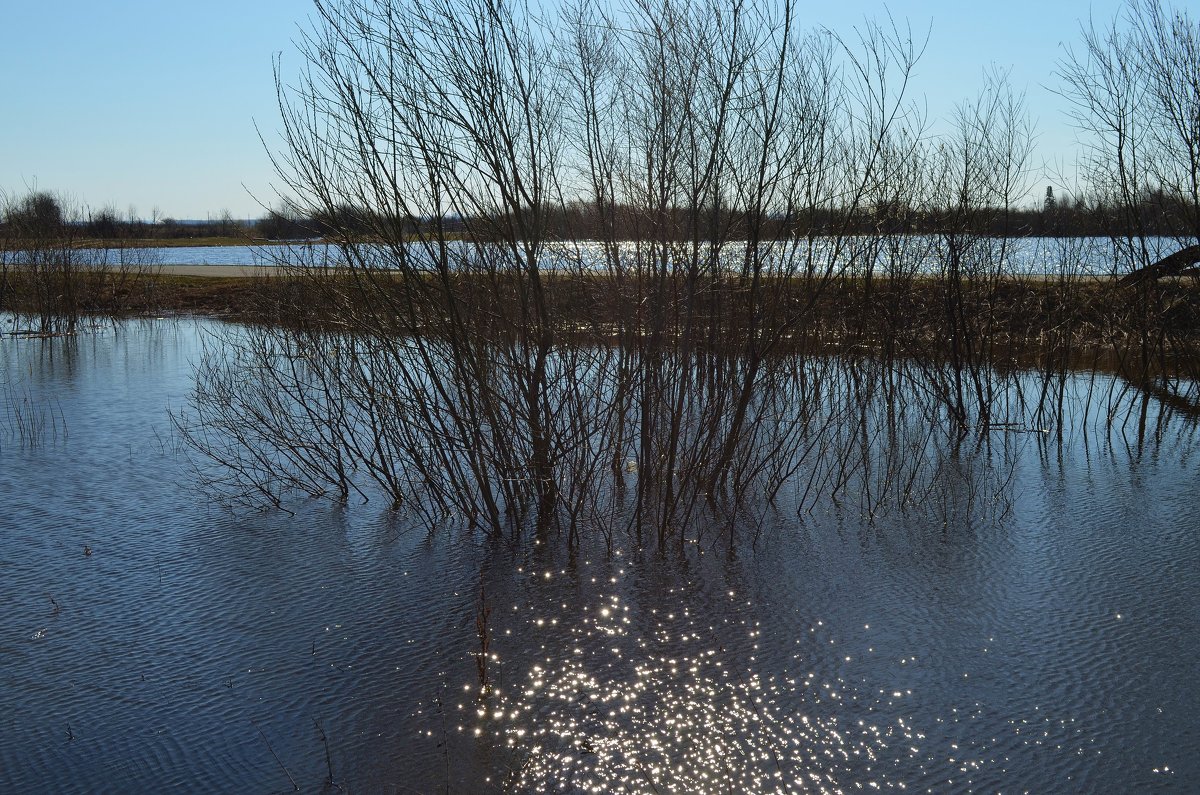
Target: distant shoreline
92, 244
245, 241
183, 242
257, 271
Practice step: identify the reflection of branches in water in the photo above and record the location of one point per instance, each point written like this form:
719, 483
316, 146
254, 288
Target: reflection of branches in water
655, 455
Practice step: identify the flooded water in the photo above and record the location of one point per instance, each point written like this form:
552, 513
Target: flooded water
151, 640
1016, 257
249, 256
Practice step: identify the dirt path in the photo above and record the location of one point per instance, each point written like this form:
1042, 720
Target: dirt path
221, 271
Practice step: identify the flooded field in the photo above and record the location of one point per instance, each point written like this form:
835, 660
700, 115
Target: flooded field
1031, 623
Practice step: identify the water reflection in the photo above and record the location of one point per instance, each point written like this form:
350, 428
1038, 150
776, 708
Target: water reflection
1030, 624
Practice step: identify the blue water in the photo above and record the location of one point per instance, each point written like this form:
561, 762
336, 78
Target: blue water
152, 640
1023, 256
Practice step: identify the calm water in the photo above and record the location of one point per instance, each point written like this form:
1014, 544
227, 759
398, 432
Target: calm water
1050, 648
1092, 255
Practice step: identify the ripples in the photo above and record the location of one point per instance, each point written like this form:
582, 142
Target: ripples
1051, 647
140, 666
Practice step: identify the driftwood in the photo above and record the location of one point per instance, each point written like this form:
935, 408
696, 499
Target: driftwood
1173, 265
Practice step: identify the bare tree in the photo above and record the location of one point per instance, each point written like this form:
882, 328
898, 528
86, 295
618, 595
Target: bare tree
53, 271
1135, 91
580, 265
42, 261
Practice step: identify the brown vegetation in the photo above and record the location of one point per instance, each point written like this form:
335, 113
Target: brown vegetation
748, 191
610, 252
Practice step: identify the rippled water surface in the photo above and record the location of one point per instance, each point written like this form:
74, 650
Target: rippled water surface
152, 641
1022, 256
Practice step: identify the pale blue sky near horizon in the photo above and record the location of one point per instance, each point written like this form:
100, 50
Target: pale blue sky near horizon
153, 106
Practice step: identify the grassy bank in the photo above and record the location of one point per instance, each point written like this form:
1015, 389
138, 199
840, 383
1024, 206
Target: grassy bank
1035, 322
1029, 311
178, 242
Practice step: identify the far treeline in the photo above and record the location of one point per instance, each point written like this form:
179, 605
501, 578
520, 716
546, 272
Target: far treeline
1155, 213
41, 213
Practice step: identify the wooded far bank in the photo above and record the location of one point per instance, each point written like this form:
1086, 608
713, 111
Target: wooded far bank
40, 214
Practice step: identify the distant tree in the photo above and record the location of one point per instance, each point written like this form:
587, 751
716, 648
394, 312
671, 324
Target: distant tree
168, 228
37, 214
224, 225
104, 223
1050, 204
284, 223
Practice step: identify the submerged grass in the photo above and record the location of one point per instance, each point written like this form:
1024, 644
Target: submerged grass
1027, 317
29, 422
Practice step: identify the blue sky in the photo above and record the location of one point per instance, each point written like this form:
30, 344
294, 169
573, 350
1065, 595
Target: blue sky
154, 105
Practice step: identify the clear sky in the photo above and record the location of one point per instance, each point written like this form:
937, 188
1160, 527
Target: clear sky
152, 105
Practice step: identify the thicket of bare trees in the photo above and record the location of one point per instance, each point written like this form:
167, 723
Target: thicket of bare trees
1134, 86
48, 280
483, 360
